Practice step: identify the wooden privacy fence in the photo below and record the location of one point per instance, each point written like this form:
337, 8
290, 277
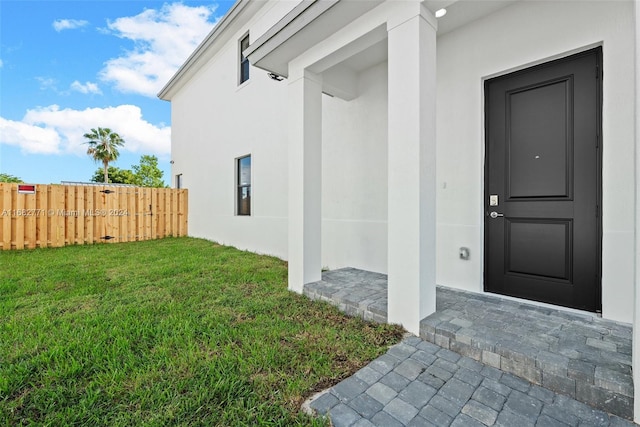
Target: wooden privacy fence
40, 216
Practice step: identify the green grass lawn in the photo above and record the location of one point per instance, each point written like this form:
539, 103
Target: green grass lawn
167, 332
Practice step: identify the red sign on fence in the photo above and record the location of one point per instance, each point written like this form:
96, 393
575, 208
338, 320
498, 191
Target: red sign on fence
26, 189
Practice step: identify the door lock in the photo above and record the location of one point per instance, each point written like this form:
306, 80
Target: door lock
495, 214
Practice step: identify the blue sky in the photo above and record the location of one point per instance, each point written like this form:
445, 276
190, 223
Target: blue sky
69, 66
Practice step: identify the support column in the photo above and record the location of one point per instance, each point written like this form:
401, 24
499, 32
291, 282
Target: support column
412, 168
636, 316
305, 179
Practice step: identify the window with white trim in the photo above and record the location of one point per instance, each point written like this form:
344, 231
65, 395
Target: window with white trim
243, 70
243, 185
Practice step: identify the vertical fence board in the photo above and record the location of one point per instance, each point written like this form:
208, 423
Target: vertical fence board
80, 206
18, 219
69, 219
5, 206
42, 205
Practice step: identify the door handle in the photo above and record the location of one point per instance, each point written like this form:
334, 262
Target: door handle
495, 214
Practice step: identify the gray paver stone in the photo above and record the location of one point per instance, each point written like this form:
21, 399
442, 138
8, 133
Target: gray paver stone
523, 370
560, 414
480, 412
491, 372
410, 369
524, 405
349, 388
418, 421
463, 323
363, 423
384, 364
546, 421
401, 351
489, 398
343, 416
417, 394
435, 416
614, 381
619, 422
559, 384
366, 405
470, 377
382, 393
465, 350
446, 365
395, 381
541, 393
445, 405
470, 364
605, 400
438, 372
456, 391
431, 380
384, 419
424, 357
579, 409
448, 355
428, 347
496, 386
368, 375
324, 403
552, 363
515, 383
490, 358
602, 345
442, 341
508, 418
464, 420
581, 371
401, 410
413, 341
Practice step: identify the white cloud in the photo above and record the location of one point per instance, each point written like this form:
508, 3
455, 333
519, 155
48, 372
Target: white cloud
163, 40
30, 138
68, 24
50, 130
47, 83
1, 63
88, 87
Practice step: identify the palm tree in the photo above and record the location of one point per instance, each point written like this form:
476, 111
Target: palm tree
103, 147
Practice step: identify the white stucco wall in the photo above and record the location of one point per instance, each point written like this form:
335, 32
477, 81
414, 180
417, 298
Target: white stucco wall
354, 182
523, 34
215, 121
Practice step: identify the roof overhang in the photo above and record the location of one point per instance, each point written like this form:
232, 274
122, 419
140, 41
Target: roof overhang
302, 28
210, 45
313, 21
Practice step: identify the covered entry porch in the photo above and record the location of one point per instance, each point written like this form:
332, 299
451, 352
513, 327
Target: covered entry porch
574, 354
430, 201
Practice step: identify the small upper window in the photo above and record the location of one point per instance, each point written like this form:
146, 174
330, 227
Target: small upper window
244, 61
244, 185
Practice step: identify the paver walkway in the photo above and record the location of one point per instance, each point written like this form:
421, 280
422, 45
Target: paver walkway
578, 356
417, 383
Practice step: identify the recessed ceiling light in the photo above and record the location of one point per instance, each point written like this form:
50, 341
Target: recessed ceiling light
441, 12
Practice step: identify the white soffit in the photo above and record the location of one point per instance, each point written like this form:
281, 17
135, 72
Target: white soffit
301, 29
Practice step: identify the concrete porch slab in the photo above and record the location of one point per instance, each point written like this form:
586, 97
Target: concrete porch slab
577, 355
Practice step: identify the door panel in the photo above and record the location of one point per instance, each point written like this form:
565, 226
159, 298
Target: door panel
543, 164
539, 247
538, 155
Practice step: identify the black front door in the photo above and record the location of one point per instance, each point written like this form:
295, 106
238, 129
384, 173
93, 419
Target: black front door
542, 182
